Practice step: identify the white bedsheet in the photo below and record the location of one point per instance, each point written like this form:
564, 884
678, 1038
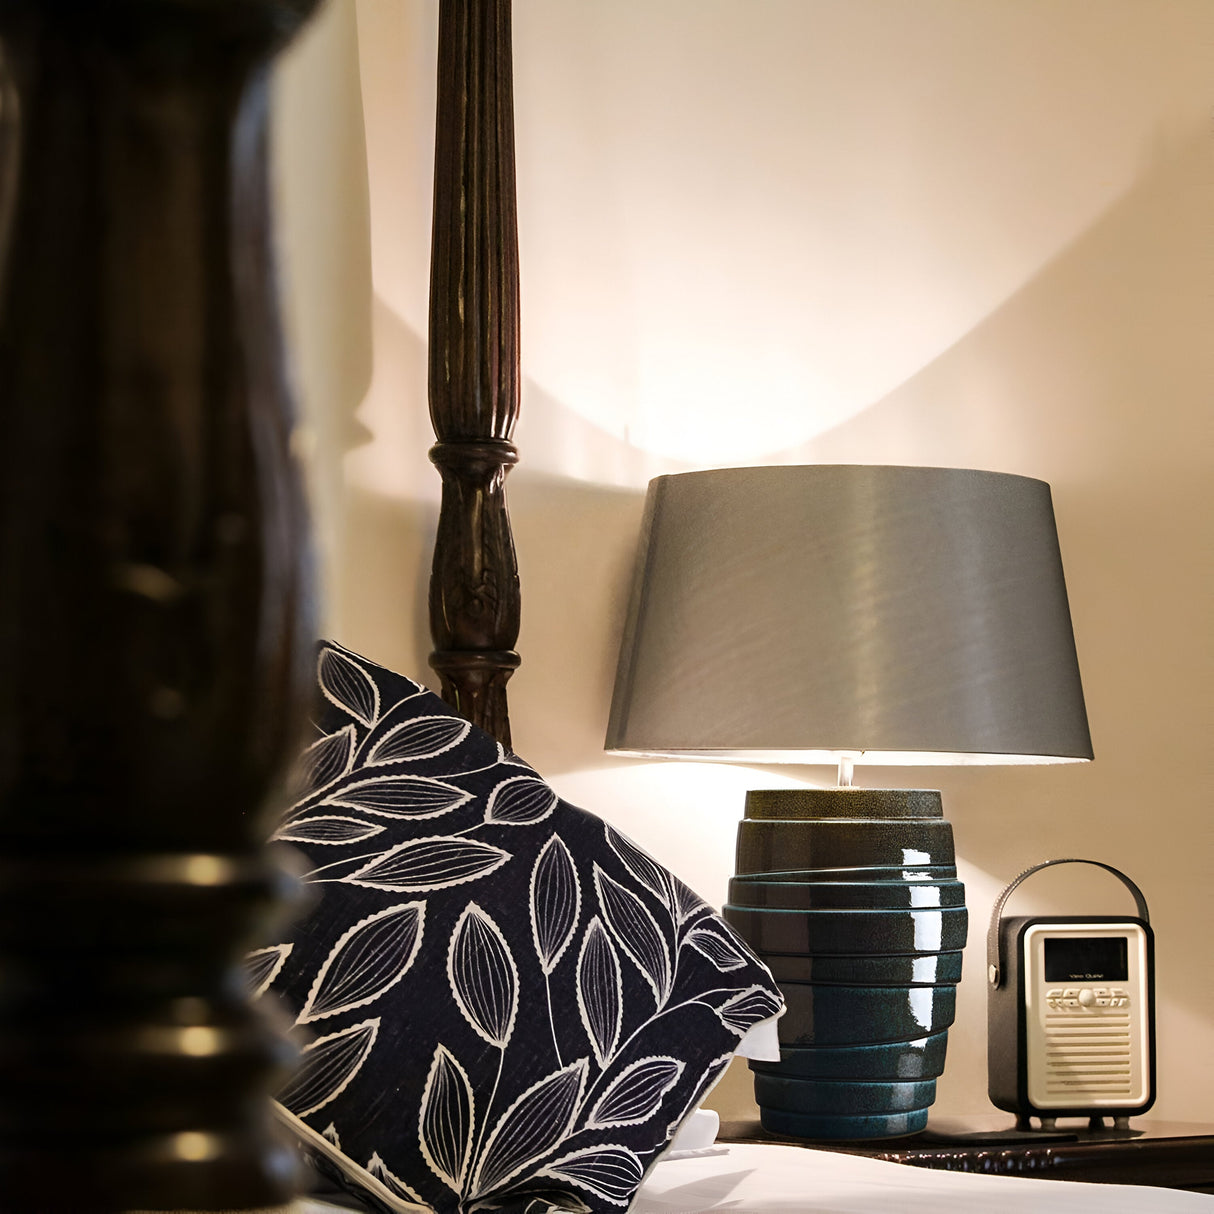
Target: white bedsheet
760, 1178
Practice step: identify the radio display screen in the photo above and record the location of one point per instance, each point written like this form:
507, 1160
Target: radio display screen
1086, 959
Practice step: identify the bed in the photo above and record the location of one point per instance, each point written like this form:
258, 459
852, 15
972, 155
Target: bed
161, 670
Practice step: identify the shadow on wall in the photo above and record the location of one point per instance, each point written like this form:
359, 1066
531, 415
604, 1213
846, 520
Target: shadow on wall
384, 585
574, 481
389, 510
576, 544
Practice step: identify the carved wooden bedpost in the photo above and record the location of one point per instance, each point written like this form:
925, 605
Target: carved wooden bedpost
474, 361
155, 630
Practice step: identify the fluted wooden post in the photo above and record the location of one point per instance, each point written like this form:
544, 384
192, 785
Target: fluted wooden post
155, 618
474, 361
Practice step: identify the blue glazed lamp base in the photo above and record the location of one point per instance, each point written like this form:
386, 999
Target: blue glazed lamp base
851, 896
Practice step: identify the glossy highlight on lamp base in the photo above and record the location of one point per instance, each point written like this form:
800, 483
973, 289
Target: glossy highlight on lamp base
764, 893
889, 1061
875, 969
862, 1015
850, 931
791, 1094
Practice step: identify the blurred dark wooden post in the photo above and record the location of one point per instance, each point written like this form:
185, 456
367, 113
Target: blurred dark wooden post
474, 361
155, 604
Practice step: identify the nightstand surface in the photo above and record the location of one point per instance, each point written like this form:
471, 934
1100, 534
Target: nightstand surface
1176, 1155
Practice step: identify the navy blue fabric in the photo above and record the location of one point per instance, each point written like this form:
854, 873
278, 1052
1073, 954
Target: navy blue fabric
504, 1003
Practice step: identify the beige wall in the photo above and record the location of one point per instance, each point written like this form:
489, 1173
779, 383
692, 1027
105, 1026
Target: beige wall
959, 232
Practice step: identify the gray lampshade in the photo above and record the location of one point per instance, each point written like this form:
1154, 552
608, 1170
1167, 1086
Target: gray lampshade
906, 615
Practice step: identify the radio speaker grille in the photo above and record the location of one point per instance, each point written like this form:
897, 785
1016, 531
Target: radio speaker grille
1092, 1056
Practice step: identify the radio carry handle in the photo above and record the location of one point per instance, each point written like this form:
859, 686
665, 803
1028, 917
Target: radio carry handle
996, 962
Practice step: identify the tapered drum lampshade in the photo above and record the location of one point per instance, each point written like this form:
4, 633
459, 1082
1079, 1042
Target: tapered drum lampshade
902, 615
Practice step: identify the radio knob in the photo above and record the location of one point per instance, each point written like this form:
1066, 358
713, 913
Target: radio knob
1087, 998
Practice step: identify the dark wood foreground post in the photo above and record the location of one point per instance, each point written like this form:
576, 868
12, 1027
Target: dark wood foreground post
155, 609
474, 361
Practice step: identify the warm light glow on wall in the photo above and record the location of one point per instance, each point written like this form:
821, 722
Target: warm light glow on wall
744, 223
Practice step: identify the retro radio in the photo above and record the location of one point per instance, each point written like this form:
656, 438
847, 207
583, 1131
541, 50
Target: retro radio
1071, 1011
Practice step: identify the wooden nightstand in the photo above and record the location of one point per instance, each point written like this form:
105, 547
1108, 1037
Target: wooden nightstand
1174, 1155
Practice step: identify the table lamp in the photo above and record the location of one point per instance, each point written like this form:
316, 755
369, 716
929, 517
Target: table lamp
850, 614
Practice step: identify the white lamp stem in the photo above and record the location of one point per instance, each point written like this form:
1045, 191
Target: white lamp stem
847, 767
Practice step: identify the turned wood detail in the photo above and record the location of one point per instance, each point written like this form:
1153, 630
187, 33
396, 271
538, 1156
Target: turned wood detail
155, 604
474, 362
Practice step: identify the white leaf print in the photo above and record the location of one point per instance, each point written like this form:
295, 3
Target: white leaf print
556, 902
531, 1127
611, 1172
687, 901
718, 948
346, 684
326, 1066
747, 1008
327, 758
330, 1132
400, 797
600, 991
368, 959
448, 1116
520, 801
327, 829
262, 966
552, 1203
483, 976
712, 1072
636, 931
420, 738
646, 870
392, 1182
435, 862
635, 1095
336, 870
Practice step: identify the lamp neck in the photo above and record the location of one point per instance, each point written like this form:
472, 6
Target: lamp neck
847, 768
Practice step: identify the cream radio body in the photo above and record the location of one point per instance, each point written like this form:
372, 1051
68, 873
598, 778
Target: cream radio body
1071, 1018
1083, 1000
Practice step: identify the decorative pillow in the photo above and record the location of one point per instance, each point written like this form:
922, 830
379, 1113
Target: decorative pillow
507, 1005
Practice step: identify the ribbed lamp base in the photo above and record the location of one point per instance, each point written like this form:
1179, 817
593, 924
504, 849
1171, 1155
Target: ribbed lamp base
857, 890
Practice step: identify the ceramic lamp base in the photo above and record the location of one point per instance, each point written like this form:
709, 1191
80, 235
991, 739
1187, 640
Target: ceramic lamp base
846, 884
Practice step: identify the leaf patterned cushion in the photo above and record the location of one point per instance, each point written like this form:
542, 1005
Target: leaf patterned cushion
503, 1003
